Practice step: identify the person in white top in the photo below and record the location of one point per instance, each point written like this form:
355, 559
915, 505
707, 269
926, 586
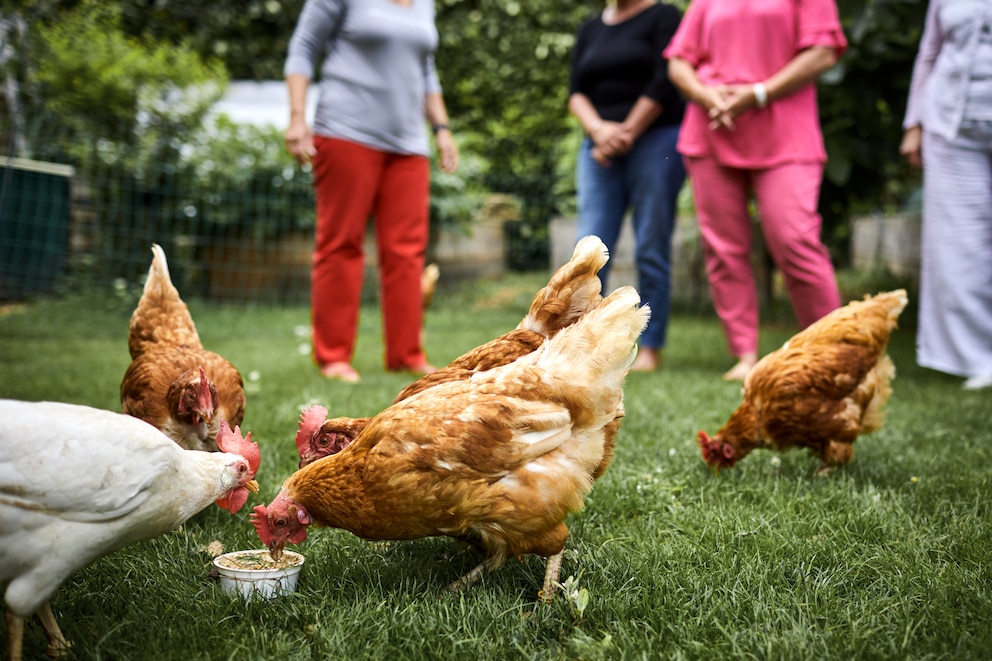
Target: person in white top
948, 132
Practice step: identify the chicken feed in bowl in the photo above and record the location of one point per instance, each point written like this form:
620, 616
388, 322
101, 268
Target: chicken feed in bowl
255, 573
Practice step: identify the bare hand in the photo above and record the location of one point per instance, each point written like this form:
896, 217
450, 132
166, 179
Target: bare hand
299, 141
601, 158
911, 146
449, 151
728, 102
612, 139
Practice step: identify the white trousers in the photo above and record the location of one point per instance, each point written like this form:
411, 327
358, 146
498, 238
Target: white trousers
955, 324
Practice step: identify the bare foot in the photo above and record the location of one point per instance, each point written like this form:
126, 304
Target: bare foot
340, 372
738, 371
648, 360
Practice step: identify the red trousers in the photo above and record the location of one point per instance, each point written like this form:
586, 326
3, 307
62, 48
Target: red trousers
786, 197
353, 183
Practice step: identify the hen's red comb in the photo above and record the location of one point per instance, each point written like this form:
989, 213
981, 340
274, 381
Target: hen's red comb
703, 441
233, 442
310, 421
204, 395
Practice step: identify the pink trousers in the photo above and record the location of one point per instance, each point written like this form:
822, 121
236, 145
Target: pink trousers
786, 198
352, 183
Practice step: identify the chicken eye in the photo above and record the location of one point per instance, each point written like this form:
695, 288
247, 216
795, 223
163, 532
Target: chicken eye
280, 523
323, 440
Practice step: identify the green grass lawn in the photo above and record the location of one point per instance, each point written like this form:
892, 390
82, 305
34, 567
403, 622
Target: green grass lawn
888, 557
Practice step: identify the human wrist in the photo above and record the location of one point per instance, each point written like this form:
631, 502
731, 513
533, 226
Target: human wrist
760, 94
594, 126
437, 128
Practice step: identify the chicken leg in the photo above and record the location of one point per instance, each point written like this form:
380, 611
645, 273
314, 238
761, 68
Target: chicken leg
469, 579
552, 572
15, 637
57, 644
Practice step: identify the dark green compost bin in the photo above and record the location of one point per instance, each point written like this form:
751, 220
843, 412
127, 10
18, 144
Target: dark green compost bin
35, 206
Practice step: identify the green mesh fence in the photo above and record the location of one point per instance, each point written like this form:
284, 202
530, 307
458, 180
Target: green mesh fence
82, 214
233, 213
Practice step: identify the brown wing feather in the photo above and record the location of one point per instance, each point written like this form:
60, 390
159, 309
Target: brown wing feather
812, 395
501, 351
454, 450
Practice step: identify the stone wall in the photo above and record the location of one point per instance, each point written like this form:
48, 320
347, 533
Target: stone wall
891, 242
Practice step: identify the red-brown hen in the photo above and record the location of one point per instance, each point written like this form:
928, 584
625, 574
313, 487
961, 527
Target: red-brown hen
825, 387
172, 382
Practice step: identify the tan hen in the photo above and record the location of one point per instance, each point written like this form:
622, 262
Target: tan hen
572, 290
496, 460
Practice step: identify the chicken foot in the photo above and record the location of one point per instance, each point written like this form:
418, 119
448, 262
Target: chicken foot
469, 579
552, 572
57, 644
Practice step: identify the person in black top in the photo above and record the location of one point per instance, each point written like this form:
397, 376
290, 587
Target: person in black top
620, 93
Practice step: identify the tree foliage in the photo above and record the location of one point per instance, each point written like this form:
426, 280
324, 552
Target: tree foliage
862, 103
504, 65
119, 97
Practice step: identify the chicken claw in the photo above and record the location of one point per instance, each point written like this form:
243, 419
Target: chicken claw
58, 646
468, 579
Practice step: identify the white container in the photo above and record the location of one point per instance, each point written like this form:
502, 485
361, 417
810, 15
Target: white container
261, 582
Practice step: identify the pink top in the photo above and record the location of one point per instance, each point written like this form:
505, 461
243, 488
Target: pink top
733, 42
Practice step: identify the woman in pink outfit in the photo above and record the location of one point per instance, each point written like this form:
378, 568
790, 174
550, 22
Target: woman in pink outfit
748, 70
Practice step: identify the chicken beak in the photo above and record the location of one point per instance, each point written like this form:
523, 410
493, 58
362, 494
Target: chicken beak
252, 485
275, 551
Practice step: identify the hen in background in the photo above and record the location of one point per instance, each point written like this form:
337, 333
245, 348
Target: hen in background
573, 290
826, 386
77, 483
428, 283
496, 460
173, 382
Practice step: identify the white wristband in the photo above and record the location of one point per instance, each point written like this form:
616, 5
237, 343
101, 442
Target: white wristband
760, 94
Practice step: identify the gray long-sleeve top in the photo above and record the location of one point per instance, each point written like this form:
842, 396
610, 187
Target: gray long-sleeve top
378, 66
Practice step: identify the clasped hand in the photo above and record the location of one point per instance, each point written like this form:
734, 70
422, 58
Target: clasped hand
725, 103
611, 139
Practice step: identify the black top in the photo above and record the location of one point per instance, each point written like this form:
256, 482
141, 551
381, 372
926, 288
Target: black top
614, 65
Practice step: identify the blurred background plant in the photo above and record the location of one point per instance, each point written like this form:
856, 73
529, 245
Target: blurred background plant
122, 90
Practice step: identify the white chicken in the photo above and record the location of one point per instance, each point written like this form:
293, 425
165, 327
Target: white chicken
77, 483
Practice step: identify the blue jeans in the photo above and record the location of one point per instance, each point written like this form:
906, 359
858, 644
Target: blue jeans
647, 180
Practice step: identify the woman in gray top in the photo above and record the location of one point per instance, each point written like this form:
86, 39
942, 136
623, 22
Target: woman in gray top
948, 132
378, 92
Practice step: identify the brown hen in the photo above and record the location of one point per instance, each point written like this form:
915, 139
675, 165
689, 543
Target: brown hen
497, 460
825, 387
172, 382
573, 290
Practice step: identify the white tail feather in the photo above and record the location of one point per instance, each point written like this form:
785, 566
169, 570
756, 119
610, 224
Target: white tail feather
598, 350
158, 272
